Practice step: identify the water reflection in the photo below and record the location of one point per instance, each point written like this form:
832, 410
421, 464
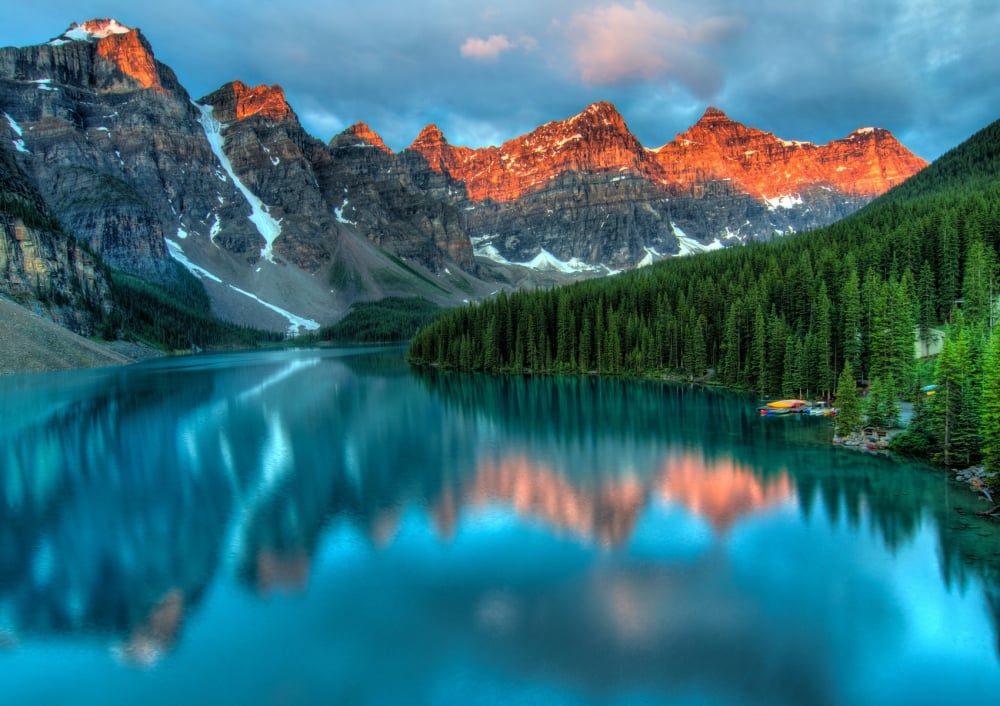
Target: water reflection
723, 491
127, 495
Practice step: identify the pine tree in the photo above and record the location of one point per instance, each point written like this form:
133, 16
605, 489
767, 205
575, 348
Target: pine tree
848, 417
823, 344
757, 360
926, 317
850, 322
955, 406
880, 406
731, 348
978, 284
990, 424
791, 379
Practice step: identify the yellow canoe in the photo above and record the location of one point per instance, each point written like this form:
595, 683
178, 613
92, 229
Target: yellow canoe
786, 404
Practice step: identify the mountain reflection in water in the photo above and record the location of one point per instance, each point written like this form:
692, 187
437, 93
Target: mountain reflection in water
129, 496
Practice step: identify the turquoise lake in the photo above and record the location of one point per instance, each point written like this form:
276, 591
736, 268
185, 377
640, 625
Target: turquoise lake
331, 527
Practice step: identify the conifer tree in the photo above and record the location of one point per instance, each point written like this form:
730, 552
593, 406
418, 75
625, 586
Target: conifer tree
850, 326
823, 383
848, 417
880, 406
978, 284
990, 424
757, 360
926, 316
955, 406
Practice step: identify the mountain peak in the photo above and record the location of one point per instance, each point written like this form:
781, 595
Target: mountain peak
600, 113
90, 30
265, 101
868, 132
366, 134
123, 46
430, 136
713, 115
237, 101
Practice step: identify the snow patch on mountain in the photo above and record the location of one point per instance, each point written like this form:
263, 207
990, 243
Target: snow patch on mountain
295, 323
690, 246
90, 30
176, 252
543, 261
267, 226
565, 140
650, 257
216, 228
339, 214
18, 143
786, 201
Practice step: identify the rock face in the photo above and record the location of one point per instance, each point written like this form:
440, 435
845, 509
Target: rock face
397, 202
40, 264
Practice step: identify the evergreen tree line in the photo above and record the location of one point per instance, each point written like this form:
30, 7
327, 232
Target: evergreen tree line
780, 318
389, 320
176, 316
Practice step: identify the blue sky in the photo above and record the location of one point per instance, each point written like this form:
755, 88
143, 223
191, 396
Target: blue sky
928, 70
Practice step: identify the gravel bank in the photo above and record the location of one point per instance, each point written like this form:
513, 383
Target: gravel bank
30, 343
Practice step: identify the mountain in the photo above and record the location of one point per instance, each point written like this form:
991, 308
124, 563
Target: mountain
286, 232
585, 190
229, 186
863, 165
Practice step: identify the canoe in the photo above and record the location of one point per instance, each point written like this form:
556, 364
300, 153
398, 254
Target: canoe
786, 404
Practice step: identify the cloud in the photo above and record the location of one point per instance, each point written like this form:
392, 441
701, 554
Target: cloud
616, 44
490, 49
486, 49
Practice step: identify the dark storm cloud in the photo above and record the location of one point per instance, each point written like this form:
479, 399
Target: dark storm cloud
813, 71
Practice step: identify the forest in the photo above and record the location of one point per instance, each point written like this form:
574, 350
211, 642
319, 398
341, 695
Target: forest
388, 320
821, 314
175, 314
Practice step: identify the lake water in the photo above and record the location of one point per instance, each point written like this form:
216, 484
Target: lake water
327, 527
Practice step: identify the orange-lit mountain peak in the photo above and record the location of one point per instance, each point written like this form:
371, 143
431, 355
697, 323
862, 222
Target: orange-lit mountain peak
441, 156
713, 115
430, 136
123, 46
595, 140
716, 148
129, 51
265, 101
866, 163
96, 29
722, 492
367, 135
599, 113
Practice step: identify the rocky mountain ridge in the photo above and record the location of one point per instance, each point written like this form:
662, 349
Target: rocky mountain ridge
285, 231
